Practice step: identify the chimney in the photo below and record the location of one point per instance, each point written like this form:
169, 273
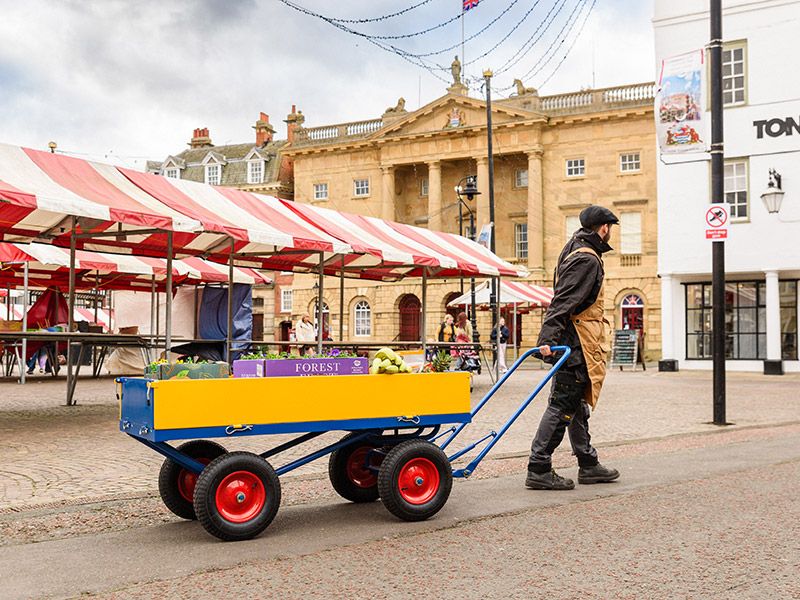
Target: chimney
264, 131
200, 138
294, 121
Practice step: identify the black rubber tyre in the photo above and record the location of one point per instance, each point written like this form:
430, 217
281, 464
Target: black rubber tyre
348, 473
415, 480
176, 484
237, 496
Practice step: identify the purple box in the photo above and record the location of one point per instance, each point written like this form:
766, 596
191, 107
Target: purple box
248, 367
316, 366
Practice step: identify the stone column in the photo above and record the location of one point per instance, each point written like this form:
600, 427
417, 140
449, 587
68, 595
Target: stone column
535, 214
435, 195
482, 214
773, 316
387, 194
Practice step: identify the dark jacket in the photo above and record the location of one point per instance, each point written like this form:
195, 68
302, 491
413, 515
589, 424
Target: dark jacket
503, 334
447, 333
577, 281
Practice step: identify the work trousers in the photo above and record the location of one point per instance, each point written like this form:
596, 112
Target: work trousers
566, 411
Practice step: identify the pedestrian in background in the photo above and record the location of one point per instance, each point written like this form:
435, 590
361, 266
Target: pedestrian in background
305, 331
502, 345
575, 319
463, 327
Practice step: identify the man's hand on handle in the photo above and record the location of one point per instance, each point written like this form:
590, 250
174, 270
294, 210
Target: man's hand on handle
545, 350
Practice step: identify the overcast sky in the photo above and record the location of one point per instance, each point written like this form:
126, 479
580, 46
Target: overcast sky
127, 80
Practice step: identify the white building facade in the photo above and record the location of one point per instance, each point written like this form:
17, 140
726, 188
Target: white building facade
761, 132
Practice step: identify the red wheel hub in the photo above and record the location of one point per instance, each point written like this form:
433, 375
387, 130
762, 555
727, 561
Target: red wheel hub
418, 481
240, 497
357, 469
187, 480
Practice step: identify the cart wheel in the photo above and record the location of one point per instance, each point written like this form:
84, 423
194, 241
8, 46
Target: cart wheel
415, 480
349, 474
176, 484
237, 496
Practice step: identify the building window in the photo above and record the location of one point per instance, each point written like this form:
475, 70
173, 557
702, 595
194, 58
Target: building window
361, 187
255, 171
469, 232
788, 295
632, 312
736, 188
423, 186
571, 224
745, 320
629, 162
521, 240
320, 191
733, 75
172, 173
363, 319
287, 300
521, 178
576, 167
213, 174
630, 224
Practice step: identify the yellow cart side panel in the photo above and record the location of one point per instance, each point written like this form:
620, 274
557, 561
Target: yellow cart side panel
221, 402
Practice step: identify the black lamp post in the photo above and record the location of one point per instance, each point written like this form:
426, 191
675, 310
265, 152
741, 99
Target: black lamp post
470, 190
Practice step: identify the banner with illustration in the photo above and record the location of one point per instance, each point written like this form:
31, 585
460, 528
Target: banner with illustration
680, 120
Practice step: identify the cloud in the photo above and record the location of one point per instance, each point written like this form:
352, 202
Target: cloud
122, 80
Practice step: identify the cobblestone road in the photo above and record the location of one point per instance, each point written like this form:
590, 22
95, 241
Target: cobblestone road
52, 453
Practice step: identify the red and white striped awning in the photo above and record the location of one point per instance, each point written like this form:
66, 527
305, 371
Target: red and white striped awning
511, 292
101, 317
41, 191
49, 266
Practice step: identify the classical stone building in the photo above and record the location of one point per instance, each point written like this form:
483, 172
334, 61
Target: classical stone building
553, 155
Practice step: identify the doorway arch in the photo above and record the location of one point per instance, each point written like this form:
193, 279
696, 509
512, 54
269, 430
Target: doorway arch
409, 309
452, 310
632, 308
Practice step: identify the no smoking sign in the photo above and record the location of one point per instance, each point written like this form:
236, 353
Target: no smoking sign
716, 222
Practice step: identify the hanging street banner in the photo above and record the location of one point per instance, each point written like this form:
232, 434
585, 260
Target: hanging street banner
680, 121
716, 221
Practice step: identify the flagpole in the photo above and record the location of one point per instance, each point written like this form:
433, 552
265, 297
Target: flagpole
463, 60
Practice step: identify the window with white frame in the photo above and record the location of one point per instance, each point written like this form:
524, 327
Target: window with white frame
571, 224
213, 174
363, 319
423, 186
320, 191
576, 167
361, 187
172, 173
287, 300
255, 171
521, 178
630, 225
734, 83
521, 240
630, 162
736, 188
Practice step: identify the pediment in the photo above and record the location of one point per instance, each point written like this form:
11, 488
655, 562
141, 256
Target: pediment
452, 112
214, 158
173, 162
254, 154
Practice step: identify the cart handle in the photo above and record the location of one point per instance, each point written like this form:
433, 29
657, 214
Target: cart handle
496, 437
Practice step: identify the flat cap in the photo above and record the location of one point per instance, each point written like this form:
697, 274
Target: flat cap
594, 216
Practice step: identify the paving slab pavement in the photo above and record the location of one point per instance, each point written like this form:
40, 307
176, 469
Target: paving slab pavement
128, 559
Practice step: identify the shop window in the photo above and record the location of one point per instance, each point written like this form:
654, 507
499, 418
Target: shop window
363, 319
632, 312
630, 224
521, 178
734, 74
736, 188
521, 240
788, 299
361, 187
320, 191
576, 167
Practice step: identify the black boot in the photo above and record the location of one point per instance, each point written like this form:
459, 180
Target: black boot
548, 481
597, 474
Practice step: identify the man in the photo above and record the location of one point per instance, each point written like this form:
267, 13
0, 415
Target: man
575, 319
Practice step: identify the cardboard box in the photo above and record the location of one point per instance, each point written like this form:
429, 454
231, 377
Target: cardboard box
217, 370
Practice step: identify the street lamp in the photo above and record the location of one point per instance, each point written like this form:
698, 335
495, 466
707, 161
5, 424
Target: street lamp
773, 196
52, 146
470, 190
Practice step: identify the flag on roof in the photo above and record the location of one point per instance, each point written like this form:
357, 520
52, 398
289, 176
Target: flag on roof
470, 4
